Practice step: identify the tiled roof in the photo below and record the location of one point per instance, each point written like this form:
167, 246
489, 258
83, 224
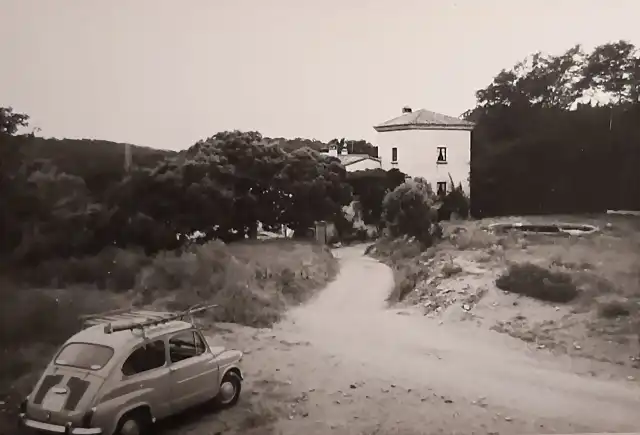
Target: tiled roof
350, 159
425, 120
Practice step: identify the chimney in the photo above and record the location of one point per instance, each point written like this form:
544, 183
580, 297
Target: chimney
345, 151
406, 109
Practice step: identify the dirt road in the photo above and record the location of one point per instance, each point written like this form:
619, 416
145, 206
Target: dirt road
345, 364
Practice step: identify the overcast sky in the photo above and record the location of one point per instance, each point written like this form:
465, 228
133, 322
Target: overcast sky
167, 73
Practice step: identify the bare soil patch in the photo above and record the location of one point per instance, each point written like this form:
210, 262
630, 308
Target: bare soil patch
569, 293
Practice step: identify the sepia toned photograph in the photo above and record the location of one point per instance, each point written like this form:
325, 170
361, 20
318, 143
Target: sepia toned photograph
295, 217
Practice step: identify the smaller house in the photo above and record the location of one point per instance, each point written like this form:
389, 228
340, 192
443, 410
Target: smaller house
354, 162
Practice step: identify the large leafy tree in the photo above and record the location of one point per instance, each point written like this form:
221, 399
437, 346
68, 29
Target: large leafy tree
314, 188
551, 116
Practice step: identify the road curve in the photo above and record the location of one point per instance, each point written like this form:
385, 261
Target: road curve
350, 322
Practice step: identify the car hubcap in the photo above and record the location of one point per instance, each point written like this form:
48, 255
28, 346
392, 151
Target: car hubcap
227, 392
130, 427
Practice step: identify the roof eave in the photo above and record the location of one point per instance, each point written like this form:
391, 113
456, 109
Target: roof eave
361, 160
399, 127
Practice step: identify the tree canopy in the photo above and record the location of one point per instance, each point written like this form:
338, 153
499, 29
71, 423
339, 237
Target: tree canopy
558, 134
63, 198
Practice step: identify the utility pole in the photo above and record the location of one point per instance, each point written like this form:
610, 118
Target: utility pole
127, 158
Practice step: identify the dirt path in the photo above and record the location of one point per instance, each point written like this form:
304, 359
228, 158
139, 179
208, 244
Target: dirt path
345, 364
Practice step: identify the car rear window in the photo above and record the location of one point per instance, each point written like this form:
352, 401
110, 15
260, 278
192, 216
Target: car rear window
84, 355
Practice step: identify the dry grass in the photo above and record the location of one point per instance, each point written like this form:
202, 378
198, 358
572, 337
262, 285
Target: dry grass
597, 275
407, 259
252, 282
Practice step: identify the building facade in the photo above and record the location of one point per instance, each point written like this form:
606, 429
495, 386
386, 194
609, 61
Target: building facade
427, 144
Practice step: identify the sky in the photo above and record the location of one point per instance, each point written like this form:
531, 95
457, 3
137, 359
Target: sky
166, 73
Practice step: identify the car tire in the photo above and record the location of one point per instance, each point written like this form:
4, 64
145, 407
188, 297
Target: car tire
134, 423
229, 392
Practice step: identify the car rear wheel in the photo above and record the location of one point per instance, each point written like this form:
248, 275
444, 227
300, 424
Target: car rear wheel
229, 392
135, 423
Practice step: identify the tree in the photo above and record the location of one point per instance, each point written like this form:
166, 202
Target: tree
543, 118
370, 188
314, 188
10, 122
409, 211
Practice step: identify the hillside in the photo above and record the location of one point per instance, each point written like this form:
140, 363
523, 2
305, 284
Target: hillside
96, 161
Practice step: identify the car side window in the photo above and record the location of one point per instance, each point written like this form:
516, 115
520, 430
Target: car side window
185, 345
147, 357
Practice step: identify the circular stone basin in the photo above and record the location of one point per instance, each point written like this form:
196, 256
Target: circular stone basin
558, 228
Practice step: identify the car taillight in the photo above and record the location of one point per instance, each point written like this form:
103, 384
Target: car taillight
86, 418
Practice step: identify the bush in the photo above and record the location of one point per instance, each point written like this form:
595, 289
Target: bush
111, 269
251, 282
538, 283
456, 201
408, 210
613, 309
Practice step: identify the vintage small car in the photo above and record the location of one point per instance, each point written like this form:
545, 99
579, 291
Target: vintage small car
127, 369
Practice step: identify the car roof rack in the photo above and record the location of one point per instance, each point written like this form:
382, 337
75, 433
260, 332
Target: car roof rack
149, 318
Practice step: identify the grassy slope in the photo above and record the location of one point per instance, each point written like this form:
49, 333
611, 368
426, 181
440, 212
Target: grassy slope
456, 281
253, 283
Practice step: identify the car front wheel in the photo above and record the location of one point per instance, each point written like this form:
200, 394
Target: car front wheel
229, 392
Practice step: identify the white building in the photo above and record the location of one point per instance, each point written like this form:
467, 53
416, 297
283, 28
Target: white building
355, 162
429, 145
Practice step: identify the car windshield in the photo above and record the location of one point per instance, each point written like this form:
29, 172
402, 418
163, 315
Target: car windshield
84, 355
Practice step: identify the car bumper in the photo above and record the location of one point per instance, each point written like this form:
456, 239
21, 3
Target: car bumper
56, 428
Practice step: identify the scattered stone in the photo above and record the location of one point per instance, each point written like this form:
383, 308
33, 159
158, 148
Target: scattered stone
631, 378
305, 414
337, 402
393, 385
448, 401
577, 346
508, 419
466, 307
311, 390
541, 346
352, 386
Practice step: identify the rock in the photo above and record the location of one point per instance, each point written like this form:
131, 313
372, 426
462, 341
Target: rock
448, 401
631, 378
466, 307
305, 414
337, 402
352, 386
393, 385
508, 419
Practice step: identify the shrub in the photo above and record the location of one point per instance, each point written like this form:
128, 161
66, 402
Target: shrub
406, 278
111, 269
538, 283
456, 201
408, 210
613, 309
